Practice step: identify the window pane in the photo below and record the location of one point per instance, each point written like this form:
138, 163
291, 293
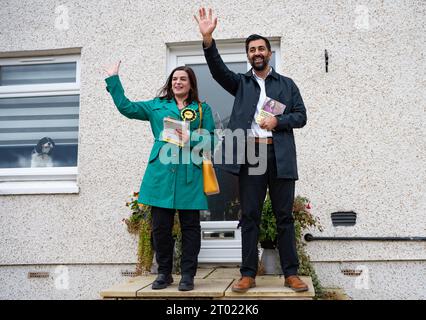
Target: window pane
219, 99
24, 122
225, 205
38, 74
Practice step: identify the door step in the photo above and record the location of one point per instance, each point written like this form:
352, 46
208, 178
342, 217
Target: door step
212, 283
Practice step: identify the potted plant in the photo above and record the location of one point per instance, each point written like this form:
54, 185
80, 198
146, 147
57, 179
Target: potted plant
269, 262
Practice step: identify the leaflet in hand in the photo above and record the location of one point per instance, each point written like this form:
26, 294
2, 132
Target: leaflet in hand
270, 108
169, 131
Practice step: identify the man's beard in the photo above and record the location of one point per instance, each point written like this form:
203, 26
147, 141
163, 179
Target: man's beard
262, 66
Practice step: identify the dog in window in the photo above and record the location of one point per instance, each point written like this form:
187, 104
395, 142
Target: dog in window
41, 156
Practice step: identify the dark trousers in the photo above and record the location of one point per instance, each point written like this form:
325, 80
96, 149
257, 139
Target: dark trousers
252, 195
162, 225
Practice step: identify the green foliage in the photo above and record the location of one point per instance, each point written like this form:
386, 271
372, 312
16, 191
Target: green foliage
138, 214
140, 223
268, 228
145, 250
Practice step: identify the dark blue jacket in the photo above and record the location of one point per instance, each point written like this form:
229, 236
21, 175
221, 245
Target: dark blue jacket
246, 91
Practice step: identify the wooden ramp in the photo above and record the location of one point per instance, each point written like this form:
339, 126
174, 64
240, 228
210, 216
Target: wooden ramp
214, 283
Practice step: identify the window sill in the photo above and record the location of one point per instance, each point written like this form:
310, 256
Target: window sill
38, 187
38, 180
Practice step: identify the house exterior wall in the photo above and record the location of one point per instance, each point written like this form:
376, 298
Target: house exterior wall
390, 280
363, 148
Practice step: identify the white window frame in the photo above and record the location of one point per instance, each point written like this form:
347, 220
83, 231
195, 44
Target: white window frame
231, 51
220, 250
40, 180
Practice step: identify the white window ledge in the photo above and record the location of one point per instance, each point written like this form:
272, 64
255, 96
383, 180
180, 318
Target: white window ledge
38, 180
39, 187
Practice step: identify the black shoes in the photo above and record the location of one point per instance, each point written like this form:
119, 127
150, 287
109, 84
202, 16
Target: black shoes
186, 283
162, 281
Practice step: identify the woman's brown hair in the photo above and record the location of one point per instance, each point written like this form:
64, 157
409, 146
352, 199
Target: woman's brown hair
166, 91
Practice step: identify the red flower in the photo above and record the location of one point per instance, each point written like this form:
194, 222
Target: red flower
308, 206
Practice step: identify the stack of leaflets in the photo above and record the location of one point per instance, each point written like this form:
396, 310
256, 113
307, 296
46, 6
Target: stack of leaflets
169, 131
270, 108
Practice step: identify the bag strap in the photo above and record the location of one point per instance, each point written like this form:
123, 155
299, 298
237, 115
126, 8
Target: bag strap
200, 110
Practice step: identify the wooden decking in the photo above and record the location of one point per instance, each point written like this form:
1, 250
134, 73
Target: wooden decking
210, 283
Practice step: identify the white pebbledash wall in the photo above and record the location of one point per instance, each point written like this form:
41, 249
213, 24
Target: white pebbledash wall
363, 148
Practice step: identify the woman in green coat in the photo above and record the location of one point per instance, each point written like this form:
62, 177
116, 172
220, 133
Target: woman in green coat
173, 178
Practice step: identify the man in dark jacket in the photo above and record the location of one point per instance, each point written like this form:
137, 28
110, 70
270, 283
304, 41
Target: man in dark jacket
272, 139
